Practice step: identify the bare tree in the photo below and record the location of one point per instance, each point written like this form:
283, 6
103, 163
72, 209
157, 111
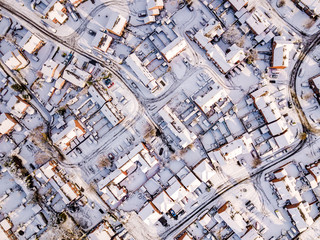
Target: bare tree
232, 35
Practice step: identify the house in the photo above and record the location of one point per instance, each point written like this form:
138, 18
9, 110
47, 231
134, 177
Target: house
56, 12
188, 179
51, 70
107, 108
49, 173
102, 232
238, 4
314, 83
15, 60
163, 202
285, 186
149, 214
299, 213
17, 106
204, 171
72, 131
251, 234
176, 191
232, 218
59, 83
257, 22
234, 54
314, 170
174, 48
206, 101
7, 123
218, 57
31, 43
76, 3
176, 126
102, 41
278, 127
76, 76
234, 150
154, 7
6, 232
142, 72
116, 24
280, 52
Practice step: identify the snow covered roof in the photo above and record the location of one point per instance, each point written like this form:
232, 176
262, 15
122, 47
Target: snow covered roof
176, 191
233, 219
69, 191
257, 22
271, 112
59, 83
218, 56
204, 171
155, 4
235, 54
6, 224
141, 71
15, 60
208, 99
285, 139
56, 12
149, 215
217, 156
278, 126
163, 202
238, 4
103, 232
251, 234
102, 41
213, 29
17, 106
30, 43
176, 126
50, 69
113, 175
96, 96
234, 149
76, 3
316, 80
116, 23
314, 5
72, 131
190, 182
281, 49
7, 123
76, 76
299, 213
112, 118
174, 48
314, 170
286, 188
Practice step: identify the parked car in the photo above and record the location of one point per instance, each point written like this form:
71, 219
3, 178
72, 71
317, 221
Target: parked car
110, 156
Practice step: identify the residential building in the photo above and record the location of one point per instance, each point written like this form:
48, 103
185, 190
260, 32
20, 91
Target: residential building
149, 214
17, 106
188, 179
31, 43
146, 78
280, 52
56, 12
6, 232
234, 150
154, 7
51, 70
76, 3
299, 213
176, 126
102, 41
204, 171
238, 4
116, 24
76, 76
72, 131
7, 123
174, 48
15, 60
314, 83
257, 22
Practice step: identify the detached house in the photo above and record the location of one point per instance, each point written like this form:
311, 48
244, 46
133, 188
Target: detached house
31, 43
7, 123
56, 12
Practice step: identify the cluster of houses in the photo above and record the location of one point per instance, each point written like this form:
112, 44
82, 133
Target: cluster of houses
290, 195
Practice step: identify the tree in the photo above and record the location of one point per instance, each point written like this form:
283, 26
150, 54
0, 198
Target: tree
18, 87
281, 3
232, 35
303, 136
61, 111
104, 161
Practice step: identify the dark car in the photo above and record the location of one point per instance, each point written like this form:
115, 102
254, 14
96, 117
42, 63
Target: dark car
163, 222
78, 150
111, 156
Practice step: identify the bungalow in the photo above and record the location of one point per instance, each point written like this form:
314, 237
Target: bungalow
150, 214
116, 24
174, 48
72, 131
15, 60
204, 171
234, 150
51, 69
31, 43
7, 123
56, 12
163, 202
